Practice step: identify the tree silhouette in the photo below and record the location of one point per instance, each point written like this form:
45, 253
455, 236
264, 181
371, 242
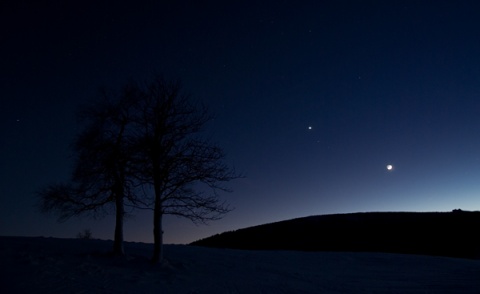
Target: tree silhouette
174, 160
102, 170
145, 139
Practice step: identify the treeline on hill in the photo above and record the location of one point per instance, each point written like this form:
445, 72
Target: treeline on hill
453, 234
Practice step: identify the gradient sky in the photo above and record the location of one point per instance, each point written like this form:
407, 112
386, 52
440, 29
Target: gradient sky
312, 100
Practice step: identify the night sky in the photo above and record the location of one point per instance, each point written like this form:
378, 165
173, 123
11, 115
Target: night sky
313, 99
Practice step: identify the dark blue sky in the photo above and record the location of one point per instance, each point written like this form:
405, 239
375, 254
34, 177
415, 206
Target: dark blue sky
378, 82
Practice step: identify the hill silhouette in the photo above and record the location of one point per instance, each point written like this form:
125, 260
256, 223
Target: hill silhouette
453, 234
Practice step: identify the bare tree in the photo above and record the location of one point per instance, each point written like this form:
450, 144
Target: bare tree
148, 136
102, 174
175, 161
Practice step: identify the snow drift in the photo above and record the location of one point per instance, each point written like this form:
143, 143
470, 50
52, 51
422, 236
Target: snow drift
48, 265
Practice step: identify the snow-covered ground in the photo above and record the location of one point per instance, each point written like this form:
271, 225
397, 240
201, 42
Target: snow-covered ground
48, 265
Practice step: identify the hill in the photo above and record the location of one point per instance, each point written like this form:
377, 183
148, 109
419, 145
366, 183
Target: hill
453, 234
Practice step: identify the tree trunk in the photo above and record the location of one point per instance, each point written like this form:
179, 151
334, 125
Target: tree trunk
157, 233
157, 214
118, 240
